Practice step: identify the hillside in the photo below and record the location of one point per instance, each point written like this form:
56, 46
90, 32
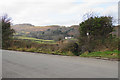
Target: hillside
32, 28
52, 32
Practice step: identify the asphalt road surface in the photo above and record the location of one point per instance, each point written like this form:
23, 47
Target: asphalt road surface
0, 63
31, 65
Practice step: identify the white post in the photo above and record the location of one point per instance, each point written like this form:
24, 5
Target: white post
87, 34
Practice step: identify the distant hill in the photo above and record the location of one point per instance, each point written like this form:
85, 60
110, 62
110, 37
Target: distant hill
52, 32
32, 28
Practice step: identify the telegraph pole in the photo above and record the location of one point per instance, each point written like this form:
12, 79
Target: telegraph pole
119, 19
119, 37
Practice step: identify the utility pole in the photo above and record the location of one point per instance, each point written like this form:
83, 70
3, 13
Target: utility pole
119, 19
119, 36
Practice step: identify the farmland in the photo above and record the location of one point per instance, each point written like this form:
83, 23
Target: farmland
41, 41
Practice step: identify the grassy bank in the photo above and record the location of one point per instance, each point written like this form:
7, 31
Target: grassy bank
67, 47
102, 54
54, 49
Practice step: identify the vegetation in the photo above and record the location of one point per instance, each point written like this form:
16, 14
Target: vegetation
29, 46
94, 32
55, 33
97, 27
34, 40
92, 38
69, 46
7, 32
102, 54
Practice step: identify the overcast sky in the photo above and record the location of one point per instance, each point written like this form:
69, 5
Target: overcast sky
55, 12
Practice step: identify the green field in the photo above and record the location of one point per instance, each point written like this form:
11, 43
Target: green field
35, 40
104, 54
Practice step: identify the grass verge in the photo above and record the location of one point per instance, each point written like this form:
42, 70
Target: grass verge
104, 54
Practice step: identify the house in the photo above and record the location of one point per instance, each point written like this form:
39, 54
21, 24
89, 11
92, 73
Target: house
68, 37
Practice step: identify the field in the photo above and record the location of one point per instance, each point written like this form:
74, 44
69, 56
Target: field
41, 41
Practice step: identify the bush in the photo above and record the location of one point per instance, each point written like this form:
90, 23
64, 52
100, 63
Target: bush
29, 46
110, 43
69, 46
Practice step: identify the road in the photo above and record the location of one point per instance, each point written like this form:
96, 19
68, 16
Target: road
31, 65
0, 63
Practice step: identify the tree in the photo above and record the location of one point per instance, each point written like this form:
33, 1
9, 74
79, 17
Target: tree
7, 32
93, 29
98, 27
